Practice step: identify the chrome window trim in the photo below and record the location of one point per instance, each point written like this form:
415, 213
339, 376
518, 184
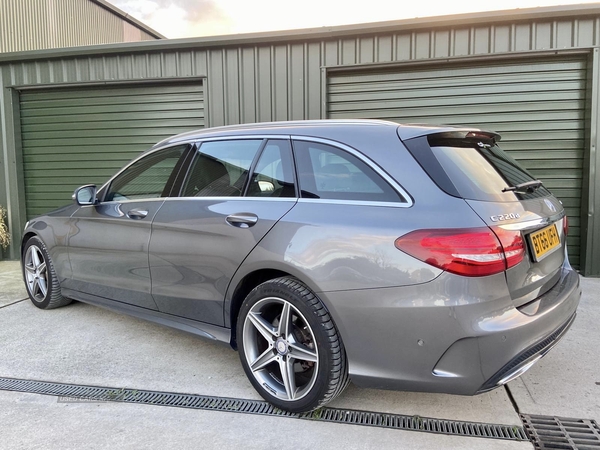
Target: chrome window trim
193, 141
229, 198
133, 200
369, 162
365, 159
355, 202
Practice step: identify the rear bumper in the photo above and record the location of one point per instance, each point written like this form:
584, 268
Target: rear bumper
452, 335
525, 360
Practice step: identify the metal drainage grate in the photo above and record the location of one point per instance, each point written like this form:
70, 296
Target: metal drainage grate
204, 402
548, 432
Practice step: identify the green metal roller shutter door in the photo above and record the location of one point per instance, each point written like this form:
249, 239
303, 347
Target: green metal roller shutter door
537, 106
75, 136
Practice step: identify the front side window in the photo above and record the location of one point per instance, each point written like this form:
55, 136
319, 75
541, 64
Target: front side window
327, 172
149, 177
220, 168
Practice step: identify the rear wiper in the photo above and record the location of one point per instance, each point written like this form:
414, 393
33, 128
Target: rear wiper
524, 188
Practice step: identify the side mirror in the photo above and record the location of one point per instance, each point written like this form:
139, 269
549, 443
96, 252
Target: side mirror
85, 195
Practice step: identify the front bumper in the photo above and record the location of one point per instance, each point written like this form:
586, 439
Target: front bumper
453, 335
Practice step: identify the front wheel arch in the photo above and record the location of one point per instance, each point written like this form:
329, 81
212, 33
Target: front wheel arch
25, 239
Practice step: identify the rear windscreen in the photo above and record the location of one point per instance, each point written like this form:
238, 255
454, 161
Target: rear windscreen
478, 170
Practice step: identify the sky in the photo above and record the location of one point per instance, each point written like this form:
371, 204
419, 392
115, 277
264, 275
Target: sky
192, 18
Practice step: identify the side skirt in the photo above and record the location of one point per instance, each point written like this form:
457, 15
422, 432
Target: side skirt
208, 331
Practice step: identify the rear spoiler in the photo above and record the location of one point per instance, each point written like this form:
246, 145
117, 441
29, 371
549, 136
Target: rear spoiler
406, 132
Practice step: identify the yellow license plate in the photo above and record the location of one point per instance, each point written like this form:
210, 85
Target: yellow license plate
544, 241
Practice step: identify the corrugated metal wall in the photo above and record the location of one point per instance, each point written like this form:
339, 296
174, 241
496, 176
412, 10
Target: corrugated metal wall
39, 24
78, 136
282, 81
537, 105
283, 78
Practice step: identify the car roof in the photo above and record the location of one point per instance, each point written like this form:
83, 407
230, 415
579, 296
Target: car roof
309, 127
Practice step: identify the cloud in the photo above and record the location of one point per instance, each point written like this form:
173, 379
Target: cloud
187, 18
179, 18
196, 10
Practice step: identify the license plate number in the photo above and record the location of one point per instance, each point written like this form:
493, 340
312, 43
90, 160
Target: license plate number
544, 241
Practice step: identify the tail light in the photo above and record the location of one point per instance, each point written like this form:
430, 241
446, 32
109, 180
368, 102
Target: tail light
512, 244
566, 225
472, 252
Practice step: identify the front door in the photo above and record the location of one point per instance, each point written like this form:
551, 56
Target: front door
108, 242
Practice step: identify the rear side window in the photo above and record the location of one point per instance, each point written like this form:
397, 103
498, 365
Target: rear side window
475, 169
327, 172
274, 172
220, 168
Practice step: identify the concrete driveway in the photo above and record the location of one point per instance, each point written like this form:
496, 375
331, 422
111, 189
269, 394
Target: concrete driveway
82, 344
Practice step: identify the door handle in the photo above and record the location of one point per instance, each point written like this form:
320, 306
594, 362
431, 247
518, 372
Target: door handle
242, 220
137, 214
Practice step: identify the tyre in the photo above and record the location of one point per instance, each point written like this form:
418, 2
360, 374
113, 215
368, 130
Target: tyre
40, 278
289, 346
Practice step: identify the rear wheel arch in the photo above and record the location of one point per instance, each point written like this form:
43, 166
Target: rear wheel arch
241, 291
245, 285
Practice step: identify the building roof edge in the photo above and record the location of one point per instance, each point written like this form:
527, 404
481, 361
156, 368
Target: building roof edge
132, 20
479, 18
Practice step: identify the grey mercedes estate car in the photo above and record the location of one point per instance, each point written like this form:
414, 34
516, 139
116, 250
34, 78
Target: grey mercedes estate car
404, 257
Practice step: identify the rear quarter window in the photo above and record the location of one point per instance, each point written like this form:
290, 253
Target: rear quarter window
328, 172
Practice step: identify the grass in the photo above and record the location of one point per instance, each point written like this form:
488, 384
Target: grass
4, 234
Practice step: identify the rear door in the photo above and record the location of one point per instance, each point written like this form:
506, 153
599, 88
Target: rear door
471, 165
235, 192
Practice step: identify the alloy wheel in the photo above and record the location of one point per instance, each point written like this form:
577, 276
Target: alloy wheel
280, 349
36, 273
